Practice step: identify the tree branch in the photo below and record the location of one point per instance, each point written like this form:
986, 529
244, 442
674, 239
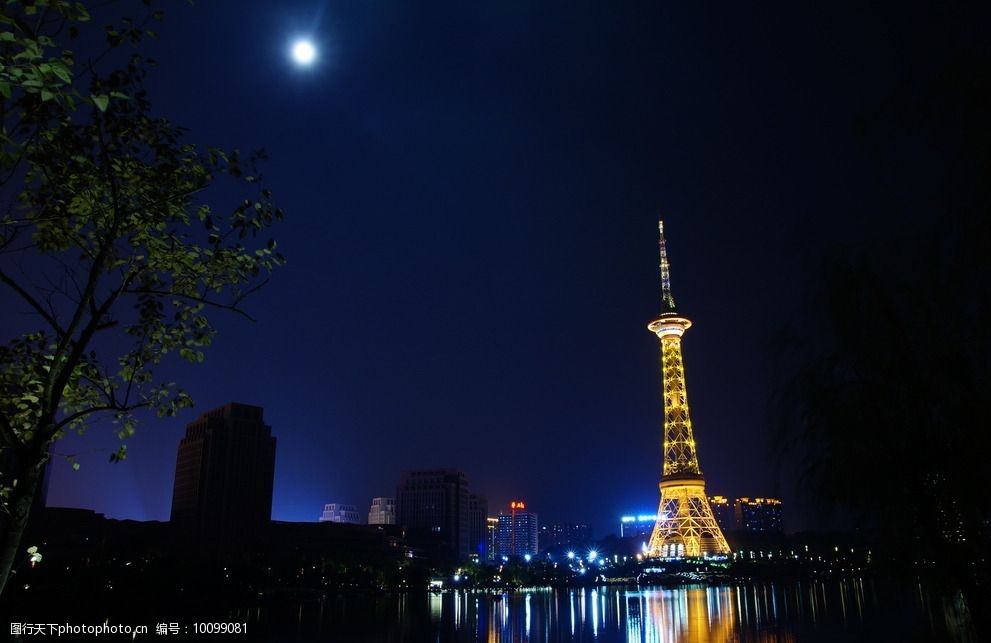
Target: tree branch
96, 409
58, 378
26, 296
8, 436
201, 299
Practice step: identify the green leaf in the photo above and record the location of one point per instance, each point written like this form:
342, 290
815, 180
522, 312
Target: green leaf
62, 72
101, 101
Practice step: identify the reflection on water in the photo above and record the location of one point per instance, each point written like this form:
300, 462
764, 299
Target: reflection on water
852, 609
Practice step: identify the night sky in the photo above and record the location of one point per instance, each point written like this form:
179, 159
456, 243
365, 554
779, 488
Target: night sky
472, 192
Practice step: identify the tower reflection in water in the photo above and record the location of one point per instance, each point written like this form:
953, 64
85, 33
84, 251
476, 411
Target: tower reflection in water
689, 614
803, 611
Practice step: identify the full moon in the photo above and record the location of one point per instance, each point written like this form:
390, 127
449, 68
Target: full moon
303, 52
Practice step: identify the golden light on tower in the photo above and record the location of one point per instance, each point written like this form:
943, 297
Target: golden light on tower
685, 524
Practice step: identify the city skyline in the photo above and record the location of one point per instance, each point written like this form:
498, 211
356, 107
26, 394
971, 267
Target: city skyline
330, 511
185, 478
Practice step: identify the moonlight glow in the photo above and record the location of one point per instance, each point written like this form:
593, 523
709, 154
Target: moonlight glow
303, 52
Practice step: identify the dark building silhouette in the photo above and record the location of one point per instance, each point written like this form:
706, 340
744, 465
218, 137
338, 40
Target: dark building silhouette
759, 515
433, 505
224, 475
563, 537
725, 512
750, 515
478, 513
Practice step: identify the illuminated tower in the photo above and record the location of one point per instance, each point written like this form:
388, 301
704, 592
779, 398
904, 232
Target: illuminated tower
685, 524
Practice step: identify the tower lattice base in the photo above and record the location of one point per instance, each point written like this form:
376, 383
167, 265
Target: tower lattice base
685, 525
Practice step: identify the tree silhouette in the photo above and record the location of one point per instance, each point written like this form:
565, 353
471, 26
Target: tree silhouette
884, 410
106, 239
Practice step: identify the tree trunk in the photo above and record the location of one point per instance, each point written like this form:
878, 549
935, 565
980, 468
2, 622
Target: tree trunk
21, 503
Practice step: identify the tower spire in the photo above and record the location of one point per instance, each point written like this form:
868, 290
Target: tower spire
667, 299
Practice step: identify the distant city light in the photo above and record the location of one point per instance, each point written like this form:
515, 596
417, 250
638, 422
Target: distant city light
592, 554
527, 557
571, 555
639, 518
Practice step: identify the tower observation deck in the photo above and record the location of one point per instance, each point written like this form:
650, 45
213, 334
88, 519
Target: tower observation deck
685, 524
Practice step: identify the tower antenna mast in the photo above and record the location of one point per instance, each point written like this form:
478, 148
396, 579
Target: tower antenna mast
667, 299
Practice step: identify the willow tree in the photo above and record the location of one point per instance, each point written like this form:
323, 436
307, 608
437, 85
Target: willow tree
107, 239
884, 375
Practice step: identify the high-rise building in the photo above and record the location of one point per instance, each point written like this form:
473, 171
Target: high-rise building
491, 538
564, 537
759, 515
945, 509
723, 510
685, 525
433, 505
382, 511
517, 532
338, 512
224, 473
478, 509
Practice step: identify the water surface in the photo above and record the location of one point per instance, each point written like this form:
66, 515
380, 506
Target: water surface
844, 610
